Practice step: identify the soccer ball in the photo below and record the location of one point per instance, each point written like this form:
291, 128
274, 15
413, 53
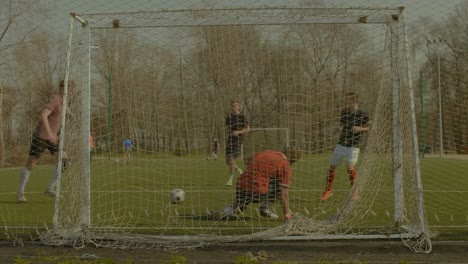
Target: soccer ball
228, 211
177, 196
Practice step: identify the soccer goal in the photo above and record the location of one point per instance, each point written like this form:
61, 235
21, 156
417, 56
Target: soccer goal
165, 78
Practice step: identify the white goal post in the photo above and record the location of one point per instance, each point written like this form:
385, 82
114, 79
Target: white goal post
164, 78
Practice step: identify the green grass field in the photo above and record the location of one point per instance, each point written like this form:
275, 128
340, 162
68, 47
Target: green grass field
135, 196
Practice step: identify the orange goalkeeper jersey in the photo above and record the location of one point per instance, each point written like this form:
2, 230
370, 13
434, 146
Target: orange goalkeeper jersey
264, 166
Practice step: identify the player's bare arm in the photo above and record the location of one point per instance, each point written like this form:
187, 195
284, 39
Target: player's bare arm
337, 130
241, 132
285, 202
45, 121
359, 129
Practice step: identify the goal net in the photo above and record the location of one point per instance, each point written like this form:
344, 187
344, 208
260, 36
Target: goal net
164, 80
260, 139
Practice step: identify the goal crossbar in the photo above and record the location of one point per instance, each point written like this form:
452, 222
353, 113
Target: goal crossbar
231, 17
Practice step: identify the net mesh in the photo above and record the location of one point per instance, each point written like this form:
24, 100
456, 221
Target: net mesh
165, 80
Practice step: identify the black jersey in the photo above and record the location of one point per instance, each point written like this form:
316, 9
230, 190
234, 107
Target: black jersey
348, 119
236, 122
215, 146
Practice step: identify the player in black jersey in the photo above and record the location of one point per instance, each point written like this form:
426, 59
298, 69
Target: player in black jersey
353, 123
237, 128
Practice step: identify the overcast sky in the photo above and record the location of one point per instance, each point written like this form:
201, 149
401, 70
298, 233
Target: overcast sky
57, 18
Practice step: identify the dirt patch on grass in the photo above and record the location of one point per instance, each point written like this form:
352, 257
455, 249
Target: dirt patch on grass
264, 252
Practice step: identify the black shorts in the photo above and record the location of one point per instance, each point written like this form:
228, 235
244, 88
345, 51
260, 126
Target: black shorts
274, 190
244, 198
39, 145
233, 146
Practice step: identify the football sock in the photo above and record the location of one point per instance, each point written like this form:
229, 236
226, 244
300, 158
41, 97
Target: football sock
330, 179
352, 176
53, 180
24, 176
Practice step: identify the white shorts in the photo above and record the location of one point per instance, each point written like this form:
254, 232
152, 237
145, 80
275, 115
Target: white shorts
340, 153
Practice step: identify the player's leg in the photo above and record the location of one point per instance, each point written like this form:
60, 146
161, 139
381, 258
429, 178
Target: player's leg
230, 161
243, 198
237, 148
54, 150
231, 150
124, 159
352, 160
24, 177
237, 168
37, 147
338, 155
274, 189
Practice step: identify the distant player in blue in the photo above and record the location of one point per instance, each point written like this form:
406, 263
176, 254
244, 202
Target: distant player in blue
127, 150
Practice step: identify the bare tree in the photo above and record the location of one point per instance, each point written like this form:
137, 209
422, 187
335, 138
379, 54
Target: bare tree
444, 42
226, 65
13, 11
454, 37
137, 90
2, 143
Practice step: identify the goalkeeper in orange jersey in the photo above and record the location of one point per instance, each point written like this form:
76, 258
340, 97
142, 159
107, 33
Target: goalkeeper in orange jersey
253, 184
353, 123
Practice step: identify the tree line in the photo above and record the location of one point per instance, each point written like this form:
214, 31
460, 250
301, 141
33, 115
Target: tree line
170, 96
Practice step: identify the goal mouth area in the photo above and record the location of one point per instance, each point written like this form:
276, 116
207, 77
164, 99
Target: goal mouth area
211, 55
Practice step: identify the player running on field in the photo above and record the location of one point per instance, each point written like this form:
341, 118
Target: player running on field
45, 136
238, 127
127, 150
353, 123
